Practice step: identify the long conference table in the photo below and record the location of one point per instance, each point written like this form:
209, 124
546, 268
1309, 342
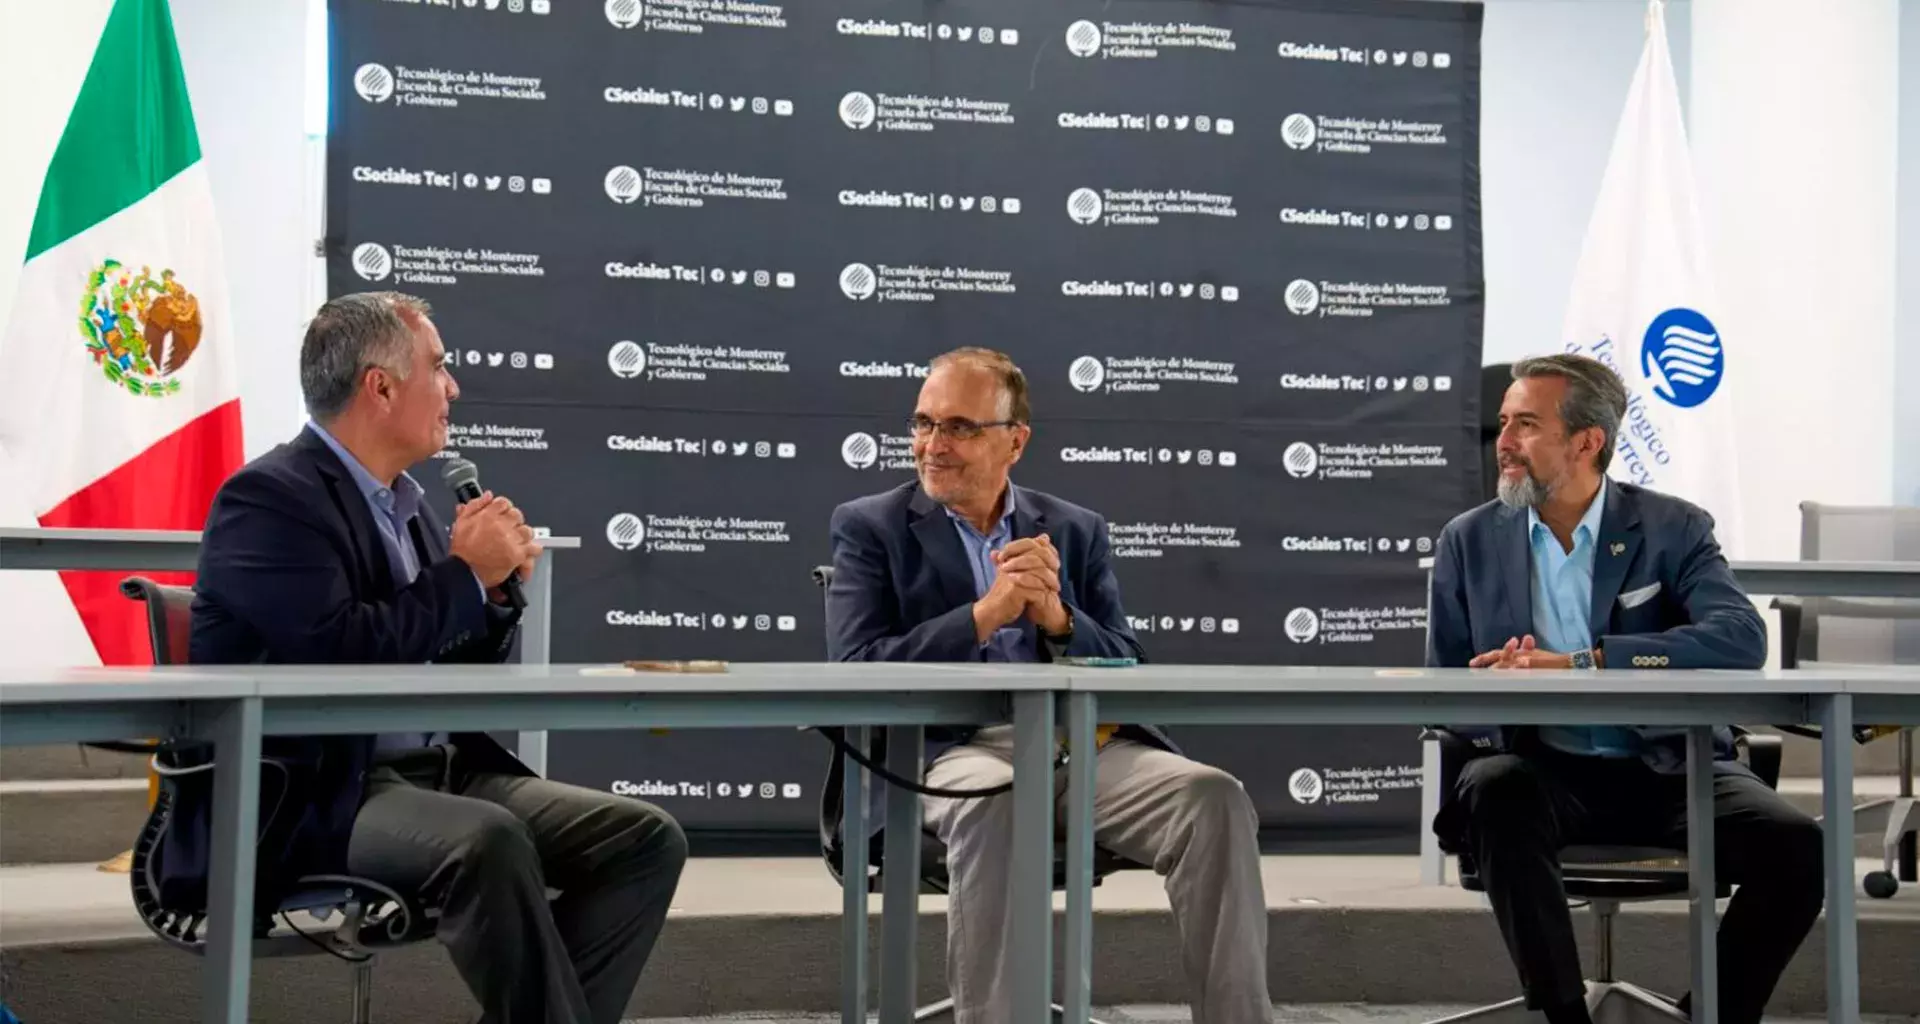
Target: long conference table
236, 707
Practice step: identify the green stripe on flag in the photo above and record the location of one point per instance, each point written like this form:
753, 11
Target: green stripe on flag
130, 131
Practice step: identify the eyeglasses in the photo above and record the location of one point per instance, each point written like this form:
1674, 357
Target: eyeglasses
955, 428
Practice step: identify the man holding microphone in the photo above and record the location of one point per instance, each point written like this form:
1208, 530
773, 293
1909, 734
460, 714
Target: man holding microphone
322, 551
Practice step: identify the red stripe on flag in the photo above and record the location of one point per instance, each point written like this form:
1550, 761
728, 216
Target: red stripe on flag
169, 486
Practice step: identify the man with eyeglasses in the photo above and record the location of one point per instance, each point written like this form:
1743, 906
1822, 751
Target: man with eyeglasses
961, 565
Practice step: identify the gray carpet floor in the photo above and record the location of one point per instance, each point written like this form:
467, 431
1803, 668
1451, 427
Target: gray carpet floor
1323, 1014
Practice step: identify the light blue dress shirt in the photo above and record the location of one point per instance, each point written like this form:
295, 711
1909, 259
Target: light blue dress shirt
394, 509
1562, 619
1009, 642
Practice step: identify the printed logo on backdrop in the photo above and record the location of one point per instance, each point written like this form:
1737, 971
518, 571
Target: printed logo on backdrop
1099, 121
864, 451
433, 264
462, 437
690, 535
1360, 785
887, 112
1121, 455
629, 360
927, 202
1135, 40
1181, 291
441, 88
699, 447
711, 103
1115, 374
680, 273
1440, 60
1225, 625
1145, 207
452, 181
1357, 136
982, 35
1351, 625
882, 370
374, 83
688, 189
860, 282
1682, 357
1305, 461
1356, 220
1155, 540
1364, 385
708, 621
1356, 299
693, 17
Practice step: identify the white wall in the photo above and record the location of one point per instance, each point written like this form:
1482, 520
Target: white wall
246, 68
1906, 344
1794, 129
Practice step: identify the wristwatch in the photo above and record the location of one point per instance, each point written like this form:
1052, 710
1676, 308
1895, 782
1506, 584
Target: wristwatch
1582, 659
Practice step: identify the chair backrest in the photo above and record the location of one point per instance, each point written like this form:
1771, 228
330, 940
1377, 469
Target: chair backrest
169, 617
1494, 380
1859, 631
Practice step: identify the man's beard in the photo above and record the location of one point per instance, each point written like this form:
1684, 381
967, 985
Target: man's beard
1523, 493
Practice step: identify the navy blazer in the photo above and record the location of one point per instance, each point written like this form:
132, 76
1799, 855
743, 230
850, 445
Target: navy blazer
1663, 597
292, 570
902, 587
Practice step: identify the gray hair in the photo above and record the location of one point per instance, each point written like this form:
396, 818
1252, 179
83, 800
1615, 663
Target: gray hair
1595, 397
350, 335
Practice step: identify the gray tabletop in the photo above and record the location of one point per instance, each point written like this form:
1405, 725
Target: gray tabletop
1179, 680
28, 685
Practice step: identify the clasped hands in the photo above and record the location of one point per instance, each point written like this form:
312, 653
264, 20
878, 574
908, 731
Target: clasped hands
1520, 652
1026, 582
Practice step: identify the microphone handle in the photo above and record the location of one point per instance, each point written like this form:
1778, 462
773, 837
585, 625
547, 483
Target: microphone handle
511, 585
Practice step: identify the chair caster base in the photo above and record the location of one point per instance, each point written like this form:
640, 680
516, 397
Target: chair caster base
1608, 1002
943, 1011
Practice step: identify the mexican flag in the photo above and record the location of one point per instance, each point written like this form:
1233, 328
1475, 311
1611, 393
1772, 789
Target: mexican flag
119, 401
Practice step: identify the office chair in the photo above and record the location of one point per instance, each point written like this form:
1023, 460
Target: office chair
1834, 631
1494, 380
373, 916
932, 868
1606, 878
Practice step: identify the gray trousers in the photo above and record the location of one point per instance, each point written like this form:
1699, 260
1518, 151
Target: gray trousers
1192, 823
486, 848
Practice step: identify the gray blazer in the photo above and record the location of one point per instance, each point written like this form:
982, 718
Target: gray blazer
1663, 597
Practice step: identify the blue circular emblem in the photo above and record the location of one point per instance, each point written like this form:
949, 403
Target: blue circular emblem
1682, 357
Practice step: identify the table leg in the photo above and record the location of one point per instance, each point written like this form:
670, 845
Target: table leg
853, 883
1078, 998
1704, 924
899, 941
1433, 860
1030, 929
536, 648
236, 816
1836, 827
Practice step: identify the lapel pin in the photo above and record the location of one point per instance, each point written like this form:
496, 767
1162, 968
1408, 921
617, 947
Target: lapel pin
1618, 547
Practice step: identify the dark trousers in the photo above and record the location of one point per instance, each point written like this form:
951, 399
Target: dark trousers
1514, 812
485, 848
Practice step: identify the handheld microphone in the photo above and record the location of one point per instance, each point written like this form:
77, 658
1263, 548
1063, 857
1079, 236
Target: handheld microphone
462, 477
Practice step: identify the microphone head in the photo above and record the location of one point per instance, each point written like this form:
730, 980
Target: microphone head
460, 473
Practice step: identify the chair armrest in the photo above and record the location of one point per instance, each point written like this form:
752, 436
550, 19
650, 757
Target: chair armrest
1763, 756
1792, 613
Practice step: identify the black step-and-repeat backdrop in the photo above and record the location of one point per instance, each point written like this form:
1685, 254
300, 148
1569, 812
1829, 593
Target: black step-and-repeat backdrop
691, 258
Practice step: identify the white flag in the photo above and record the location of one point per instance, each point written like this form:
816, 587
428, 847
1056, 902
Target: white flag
1644, 304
